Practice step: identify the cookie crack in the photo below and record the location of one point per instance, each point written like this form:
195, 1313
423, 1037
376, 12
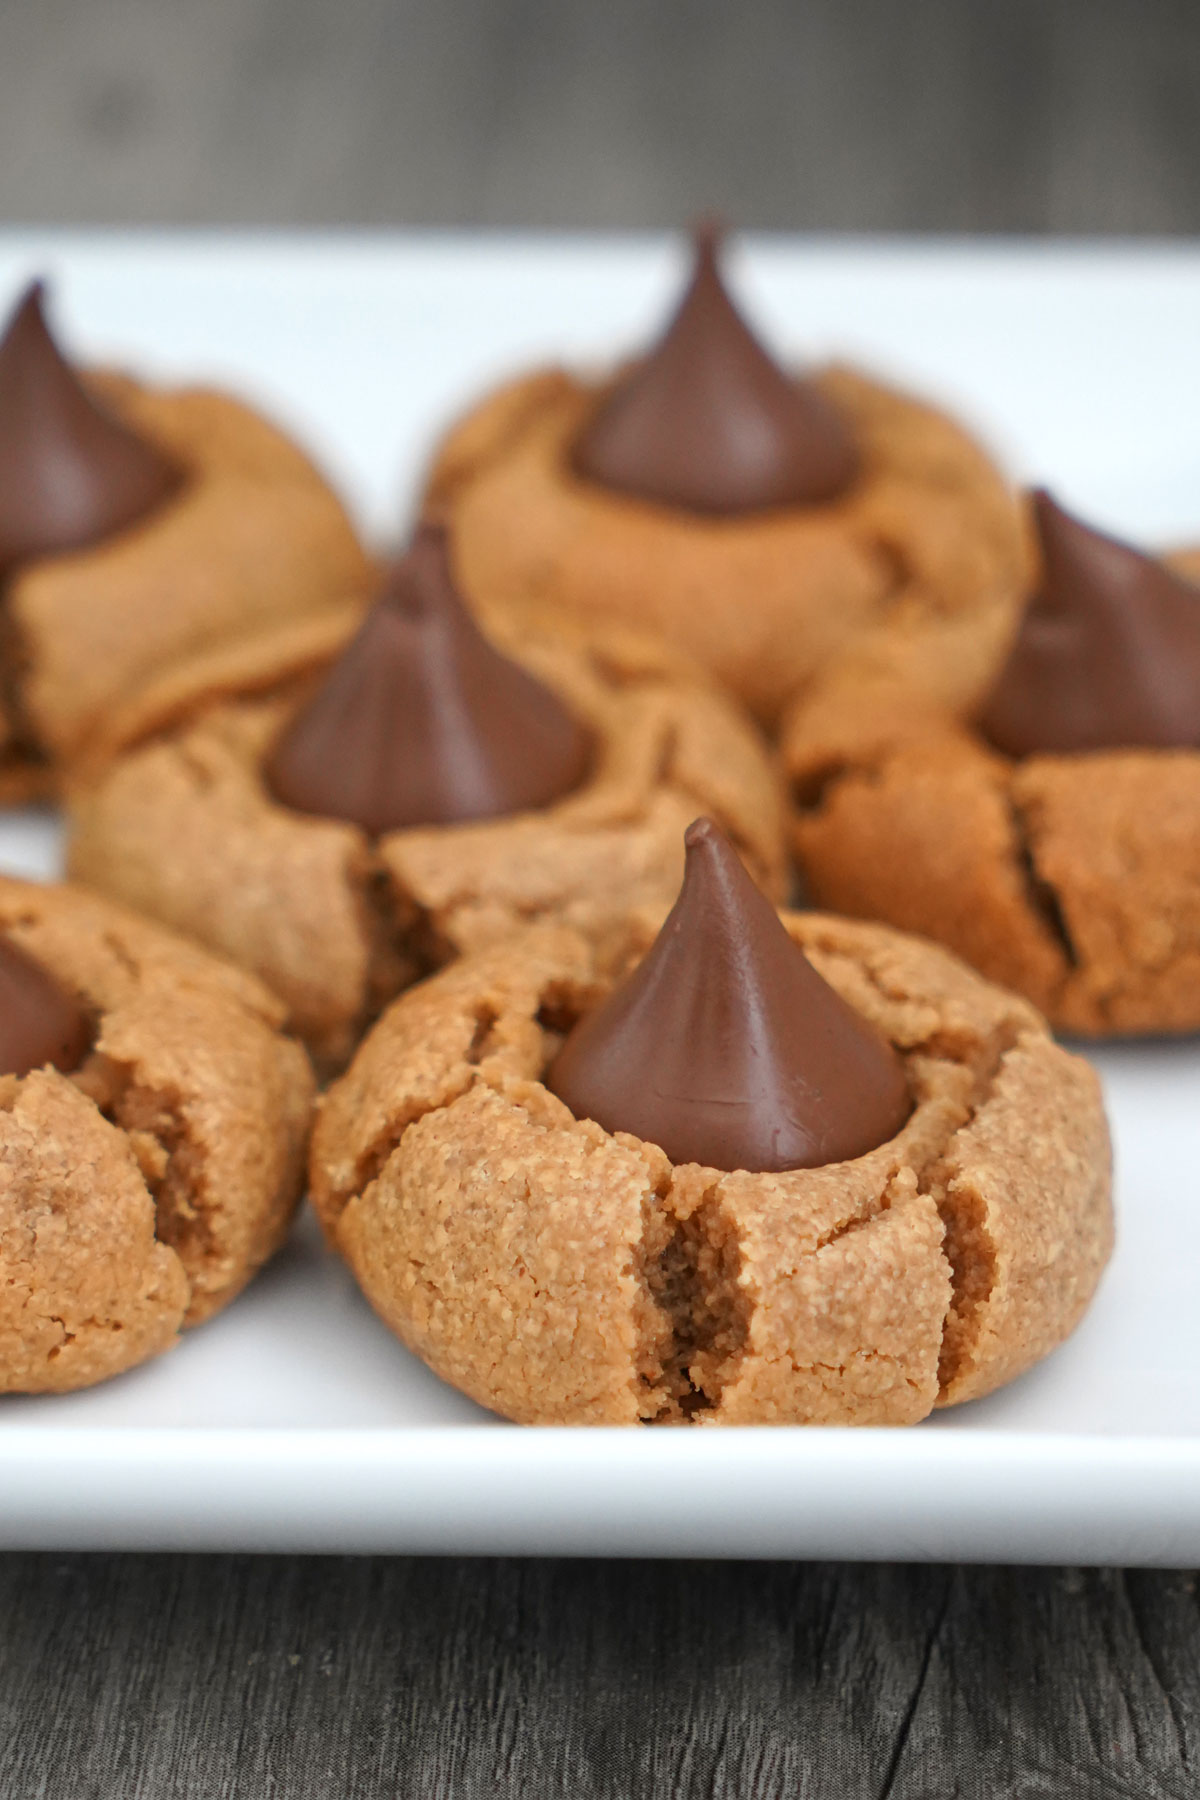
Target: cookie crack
91, 1324
67, 1339
128, 962
611, 672
970, 1250
860, 1221
890, 996
967, 1244
691, 1263
482, 1037
896, 566
864, 1358
812, 790
663, 773
200, 771
375, 1156
24, 745
154, 1122
402, 943
557, 1011
1041, 896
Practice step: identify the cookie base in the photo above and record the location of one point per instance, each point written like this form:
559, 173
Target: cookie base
928, 533
561, 1274
337, 923
139, 1194
1074, 879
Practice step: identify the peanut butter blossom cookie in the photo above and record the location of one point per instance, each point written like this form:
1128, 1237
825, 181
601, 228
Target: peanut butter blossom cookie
759, 1168
155, 547
772, 524
438, 788
153, 1121
1054, 842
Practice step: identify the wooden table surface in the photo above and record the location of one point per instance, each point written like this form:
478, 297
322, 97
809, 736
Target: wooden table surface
913, 115
168, 1678
243, 1678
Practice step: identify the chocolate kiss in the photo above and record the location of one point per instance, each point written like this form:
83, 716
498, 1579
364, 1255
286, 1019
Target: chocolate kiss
421, 721
709, 422
1108, 653
724, 1046
70, 473
40, 1023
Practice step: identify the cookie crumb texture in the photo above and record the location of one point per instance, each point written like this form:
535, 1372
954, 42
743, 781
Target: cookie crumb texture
926, 539
558, 1274
139, 1194
1074, 879
248, 575
338, 923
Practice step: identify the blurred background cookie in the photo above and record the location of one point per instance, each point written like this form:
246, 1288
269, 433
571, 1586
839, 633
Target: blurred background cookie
1052, 834
156, 546
153, 1121
762, 520
439, 787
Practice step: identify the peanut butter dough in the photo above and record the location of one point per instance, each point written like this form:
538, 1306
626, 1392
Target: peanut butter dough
337, 922
245, 577
139, 1194
1073, 878
926, 540
562, 1275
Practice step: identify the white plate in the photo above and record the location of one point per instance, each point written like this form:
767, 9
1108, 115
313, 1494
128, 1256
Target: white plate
295, 1420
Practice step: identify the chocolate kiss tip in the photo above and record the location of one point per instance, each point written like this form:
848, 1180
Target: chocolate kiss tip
421, 583
708, 233
421, 721
709, 423
701, 831
724, 1046
71, 474
1045, 506
1107, 655
40, 1022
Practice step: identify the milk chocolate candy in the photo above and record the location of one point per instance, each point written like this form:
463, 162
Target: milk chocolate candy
708, 422
422, 721
40, 1022
71, 474
724, 1046
1107, 655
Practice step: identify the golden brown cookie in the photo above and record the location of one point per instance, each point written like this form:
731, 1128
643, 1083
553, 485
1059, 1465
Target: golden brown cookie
245, 577
141, 1192
560, 1274
1074, 879
926, 541
337, 922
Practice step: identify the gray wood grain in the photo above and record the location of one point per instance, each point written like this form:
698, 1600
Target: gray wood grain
932, 115
168, 1678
